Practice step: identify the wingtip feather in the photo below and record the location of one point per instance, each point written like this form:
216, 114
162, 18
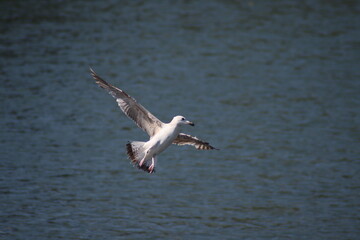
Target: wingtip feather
92, 72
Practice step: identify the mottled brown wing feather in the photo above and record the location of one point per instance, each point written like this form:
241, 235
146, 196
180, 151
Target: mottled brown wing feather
184, 139
142, 117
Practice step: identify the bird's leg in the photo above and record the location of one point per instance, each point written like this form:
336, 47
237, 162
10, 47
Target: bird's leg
153, 162
142, 160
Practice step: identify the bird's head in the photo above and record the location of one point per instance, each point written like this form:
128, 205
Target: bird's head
180, 120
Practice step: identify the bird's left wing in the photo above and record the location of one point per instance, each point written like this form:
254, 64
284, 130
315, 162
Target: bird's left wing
134, 110
185, 139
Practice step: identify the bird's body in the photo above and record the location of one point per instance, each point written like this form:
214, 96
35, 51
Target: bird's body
144, 154
164, 137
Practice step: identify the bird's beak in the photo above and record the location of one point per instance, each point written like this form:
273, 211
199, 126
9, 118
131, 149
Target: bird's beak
190, 123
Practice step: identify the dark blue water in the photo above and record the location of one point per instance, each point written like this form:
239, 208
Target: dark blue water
275, 86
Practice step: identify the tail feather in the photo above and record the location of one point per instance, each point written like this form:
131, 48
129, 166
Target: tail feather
136, 152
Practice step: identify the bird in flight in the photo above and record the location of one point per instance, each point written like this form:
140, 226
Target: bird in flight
144, 154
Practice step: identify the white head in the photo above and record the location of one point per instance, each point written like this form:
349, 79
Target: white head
180, 120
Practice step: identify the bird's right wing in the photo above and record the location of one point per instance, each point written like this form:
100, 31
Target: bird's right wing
185, 139
142, 117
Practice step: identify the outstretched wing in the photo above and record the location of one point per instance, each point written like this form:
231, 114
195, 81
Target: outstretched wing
142, 117
184, 139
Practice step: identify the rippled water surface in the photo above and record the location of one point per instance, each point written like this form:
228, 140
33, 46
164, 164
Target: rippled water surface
275, 86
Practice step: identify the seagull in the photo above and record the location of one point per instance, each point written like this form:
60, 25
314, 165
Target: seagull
144, 154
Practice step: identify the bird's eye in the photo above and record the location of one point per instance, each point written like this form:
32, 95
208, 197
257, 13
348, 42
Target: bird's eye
183, 119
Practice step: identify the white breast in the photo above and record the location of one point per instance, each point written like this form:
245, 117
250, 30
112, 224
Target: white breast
164, 138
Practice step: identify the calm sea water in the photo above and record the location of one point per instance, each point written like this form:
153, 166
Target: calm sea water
275, 86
